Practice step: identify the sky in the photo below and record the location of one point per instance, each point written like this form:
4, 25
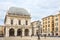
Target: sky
37, 8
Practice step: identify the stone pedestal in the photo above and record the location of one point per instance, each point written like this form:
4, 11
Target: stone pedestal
7, 32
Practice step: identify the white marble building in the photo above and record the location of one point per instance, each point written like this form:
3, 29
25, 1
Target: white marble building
17, 22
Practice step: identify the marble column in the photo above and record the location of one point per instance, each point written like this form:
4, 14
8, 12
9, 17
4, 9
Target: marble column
30, 32
7, 32
15, 32
35, 31
22, 32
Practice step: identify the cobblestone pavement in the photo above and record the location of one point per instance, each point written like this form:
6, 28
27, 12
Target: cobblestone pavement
1, 38
29, 38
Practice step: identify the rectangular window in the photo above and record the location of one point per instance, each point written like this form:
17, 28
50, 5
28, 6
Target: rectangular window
19, 22
52, 25
45, 25
53, 29
48, 18
56, 29
48, 29
11, 22
52, 21
56, 24
45, 22
26, 22
56, 19
48, 25
48, 21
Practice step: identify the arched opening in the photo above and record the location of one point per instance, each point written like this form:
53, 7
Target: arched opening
48, 34
11, 32
19, 32
56, 34
36, 32
26, 32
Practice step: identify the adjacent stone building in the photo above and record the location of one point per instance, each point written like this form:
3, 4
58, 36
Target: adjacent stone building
57, 24
51, 25
48, 25
36, 27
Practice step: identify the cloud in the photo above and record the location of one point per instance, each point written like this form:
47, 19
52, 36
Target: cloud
3, 9
37, 8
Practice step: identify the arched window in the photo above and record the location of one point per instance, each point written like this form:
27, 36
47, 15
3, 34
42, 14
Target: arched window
26, 22
48, 34
26, 32
11, 32
11, 21
19, 32
19, 22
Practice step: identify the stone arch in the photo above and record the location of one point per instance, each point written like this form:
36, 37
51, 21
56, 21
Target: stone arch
26, 32
56, 34
11, 32
19, 32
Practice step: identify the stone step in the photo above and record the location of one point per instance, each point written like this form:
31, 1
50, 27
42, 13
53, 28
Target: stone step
17, 38
30, 38
1, 38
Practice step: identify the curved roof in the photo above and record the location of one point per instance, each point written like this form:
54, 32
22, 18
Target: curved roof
19, 11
